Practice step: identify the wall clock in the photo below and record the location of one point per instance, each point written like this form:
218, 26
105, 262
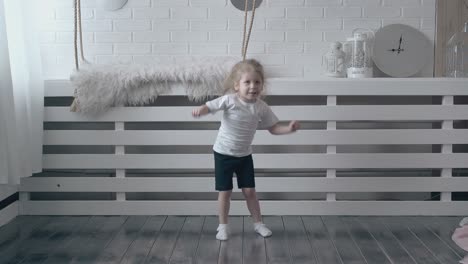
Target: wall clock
401, 50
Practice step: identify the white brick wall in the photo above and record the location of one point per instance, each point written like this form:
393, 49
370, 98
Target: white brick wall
289, 36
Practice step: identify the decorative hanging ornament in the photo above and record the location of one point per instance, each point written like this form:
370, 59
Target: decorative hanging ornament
242, 4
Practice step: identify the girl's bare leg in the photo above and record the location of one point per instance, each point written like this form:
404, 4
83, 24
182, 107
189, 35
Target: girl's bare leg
252, 203
254, 207
224, 202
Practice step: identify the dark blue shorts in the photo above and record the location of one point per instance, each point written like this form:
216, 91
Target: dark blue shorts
226, 165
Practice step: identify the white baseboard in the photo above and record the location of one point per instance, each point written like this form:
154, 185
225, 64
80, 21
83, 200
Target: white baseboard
8, 213
7, 190
11, 211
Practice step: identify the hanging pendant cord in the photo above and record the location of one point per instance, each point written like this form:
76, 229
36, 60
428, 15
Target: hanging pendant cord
246, 37
75, 34
81, 31
78, 33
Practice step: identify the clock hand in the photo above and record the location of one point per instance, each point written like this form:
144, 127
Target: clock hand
399, 45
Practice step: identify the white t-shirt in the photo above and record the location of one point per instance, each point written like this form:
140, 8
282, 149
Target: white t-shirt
239, 123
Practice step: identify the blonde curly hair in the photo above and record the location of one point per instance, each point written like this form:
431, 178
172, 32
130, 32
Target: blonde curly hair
249, 65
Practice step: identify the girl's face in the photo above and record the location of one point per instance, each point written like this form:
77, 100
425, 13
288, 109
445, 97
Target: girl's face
249, 86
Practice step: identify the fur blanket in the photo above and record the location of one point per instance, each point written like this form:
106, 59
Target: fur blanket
99, 87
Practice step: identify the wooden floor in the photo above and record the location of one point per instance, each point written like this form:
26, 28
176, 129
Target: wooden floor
179, 239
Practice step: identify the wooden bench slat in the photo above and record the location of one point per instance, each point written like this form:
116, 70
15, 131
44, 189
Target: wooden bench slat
280, 86
263, 137
294, 112
262, 161
264, 184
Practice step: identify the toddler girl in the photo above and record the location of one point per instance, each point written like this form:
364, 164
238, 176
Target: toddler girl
243, 112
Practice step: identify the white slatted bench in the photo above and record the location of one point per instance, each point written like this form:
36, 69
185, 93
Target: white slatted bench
275, 165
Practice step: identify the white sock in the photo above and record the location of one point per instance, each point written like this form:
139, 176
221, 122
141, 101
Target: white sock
262, 229
222, 232
464, 221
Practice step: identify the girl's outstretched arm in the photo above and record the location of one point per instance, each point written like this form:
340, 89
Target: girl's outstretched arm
200, 111
284, 129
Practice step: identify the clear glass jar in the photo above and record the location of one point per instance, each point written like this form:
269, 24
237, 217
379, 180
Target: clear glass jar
359, 54
457, 55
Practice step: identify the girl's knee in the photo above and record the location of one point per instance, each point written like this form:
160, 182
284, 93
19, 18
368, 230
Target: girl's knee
224, 194
249, 193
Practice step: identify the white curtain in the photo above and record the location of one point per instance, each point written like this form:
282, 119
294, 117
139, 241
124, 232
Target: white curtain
21, 92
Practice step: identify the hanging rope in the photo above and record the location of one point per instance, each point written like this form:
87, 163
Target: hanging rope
78, 33
75, 34
246, 38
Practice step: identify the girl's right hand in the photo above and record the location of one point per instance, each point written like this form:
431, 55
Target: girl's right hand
294, 126
196, 112
199, 111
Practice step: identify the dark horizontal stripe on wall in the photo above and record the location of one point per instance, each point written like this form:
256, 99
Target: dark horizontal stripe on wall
9, 200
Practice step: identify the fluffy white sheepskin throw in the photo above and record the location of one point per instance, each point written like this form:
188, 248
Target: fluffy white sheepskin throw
99, 87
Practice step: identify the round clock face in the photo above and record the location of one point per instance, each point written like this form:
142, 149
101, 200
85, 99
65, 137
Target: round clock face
401, 50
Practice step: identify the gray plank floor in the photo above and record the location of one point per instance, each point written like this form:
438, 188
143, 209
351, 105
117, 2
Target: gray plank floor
191, 239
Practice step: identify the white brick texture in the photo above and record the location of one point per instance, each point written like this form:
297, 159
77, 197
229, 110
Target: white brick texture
237, 24
304, 12
289, 36
132, 49
400, 3
149, 13
343, 12
125, 13
132, 25
373, 12
323, 2
111, 37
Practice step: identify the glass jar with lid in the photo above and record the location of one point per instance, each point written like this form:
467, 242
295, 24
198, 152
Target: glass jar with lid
457, 54
359, 53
